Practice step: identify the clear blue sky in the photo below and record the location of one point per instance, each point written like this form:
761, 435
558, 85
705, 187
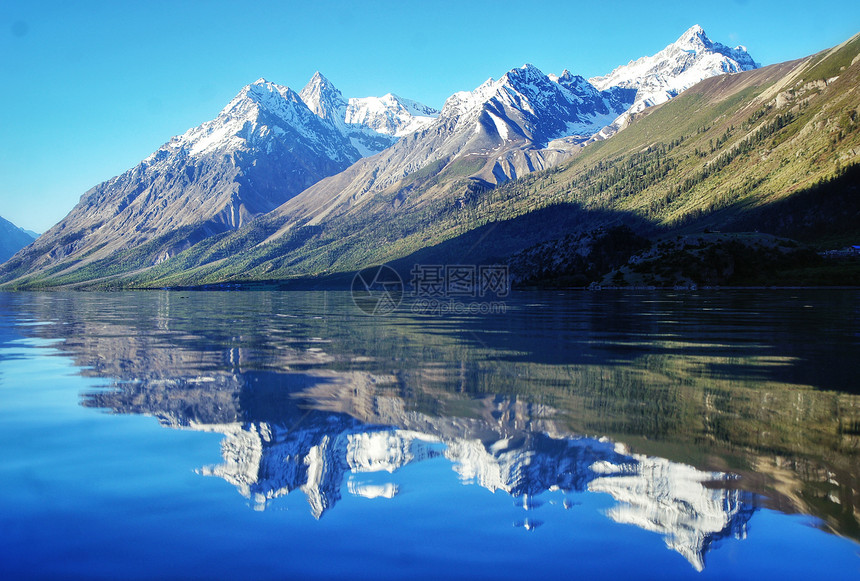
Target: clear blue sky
89, 88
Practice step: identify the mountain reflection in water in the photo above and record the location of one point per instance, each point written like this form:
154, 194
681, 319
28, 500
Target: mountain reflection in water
690, 422
316, 451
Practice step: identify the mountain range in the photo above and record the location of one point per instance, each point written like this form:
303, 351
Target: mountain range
283, 185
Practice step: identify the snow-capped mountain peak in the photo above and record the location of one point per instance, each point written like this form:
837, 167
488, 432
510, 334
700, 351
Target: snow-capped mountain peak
464, 101
389, 114
576, 84
241, 121
528, 73
694, 37
687, 61
695, 40
525, 81
340, 129
277, 99
414, 107
370, 123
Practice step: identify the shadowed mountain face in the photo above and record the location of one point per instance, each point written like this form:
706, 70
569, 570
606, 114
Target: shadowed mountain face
689, 414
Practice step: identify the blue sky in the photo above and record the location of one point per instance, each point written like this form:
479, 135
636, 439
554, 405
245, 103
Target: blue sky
89, 88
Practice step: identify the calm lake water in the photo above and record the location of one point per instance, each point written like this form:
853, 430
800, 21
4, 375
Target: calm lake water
253, 435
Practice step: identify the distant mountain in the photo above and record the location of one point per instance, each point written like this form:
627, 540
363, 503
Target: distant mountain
12, 239
263, 148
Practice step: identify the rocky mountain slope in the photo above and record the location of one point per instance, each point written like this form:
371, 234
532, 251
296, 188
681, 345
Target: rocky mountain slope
527, 121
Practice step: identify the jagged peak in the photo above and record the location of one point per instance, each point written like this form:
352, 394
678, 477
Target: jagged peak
318, 77
267, 93
567, 78
694, 38
322, 97
262, 92
527, 71
693, 41
320, 81
260, 96
526, 79
694, 31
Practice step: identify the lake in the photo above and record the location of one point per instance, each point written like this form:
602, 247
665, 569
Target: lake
289, 435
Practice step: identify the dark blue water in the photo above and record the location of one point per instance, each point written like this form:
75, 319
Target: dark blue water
261, 435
